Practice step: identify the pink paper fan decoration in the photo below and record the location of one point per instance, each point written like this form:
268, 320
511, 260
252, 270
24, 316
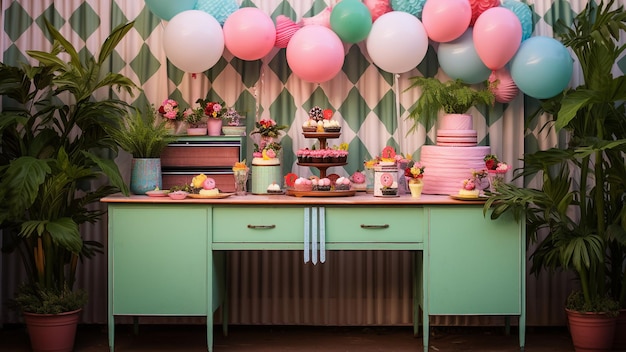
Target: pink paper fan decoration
322, 18
501, 84
285, 29
480, 6
377, 7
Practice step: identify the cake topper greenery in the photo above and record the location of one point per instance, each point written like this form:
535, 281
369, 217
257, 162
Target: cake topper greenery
451, 97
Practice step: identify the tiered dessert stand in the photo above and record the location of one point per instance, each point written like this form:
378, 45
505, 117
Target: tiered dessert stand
322, 137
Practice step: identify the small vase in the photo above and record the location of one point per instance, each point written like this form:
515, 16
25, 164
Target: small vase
416, 188
196, 131
241, 182
214, 126
145, 175
170, 125
495, 180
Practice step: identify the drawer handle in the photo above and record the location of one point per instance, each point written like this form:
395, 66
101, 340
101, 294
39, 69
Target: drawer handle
261, 227
385, 226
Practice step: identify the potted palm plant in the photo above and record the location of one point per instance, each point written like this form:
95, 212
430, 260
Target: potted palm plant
144, 136
581, 201
451, 97
49, 153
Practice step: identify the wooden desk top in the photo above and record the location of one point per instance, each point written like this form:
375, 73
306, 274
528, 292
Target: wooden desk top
360, 198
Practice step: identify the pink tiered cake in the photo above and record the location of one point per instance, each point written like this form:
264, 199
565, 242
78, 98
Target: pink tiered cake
454, 157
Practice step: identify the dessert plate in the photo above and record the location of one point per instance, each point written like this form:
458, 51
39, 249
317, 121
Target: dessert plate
469, 198
158, 193
217, 196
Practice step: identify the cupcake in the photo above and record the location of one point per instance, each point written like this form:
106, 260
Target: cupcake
342, 184
331, 126
309, 126
323, 184
303, 184
274, 188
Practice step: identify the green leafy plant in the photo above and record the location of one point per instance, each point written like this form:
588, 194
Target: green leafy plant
451, 97
581, 201
51, 152
142, 134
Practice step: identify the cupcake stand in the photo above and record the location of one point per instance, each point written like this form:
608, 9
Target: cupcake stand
322, 137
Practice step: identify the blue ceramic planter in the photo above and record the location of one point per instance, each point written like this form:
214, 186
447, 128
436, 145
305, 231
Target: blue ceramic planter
145, 175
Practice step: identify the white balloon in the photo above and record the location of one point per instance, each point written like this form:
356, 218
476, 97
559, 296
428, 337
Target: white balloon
397, 42
193, 41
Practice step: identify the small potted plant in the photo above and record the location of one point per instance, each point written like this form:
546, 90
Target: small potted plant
196, 124
143, 136
233, 125
171, 114
451, 97
414, 174
214, 112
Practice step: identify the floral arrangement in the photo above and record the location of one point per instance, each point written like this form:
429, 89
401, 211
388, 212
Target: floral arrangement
214, 110
469, 184
194, 117
232, 117
414, 172
169, 109
268, 128
494, 165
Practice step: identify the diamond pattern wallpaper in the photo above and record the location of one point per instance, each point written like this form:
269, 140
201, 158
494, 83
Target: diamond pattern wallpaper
372, 105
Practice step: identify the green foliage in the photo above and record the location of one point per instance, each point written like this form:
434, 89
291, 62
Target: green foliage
37, 300
581, 202
576, 302
142, 134
451, 97
56, 158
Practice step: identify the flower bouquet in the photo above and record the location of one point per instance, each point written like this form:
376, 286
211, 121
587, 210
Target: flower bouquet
240, 173
414, 174
170, 111
495, 171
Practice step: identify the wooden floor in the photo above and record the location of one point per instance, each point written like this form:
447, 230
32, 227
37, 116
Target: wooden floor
91, 338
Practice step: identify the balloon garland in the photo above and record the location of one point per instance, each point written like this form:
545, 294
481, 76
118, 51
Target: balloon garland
478, 40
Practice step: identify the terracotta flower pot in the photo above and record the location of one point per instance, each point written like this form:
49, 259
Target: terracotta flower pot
619, 342
591, 331
52, 332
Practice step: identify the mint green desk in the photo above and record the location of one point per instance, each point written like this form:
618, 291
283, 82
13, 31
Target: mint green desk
166, 257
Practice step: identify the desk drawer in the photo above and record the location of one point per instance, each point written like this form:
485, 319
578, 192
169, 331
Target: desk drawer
257, 224
367, 224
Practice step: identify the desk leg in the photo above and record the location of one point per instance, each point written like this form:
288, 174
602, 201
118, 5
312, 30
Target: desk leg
111, 333
417, 291
424, 293
209, 316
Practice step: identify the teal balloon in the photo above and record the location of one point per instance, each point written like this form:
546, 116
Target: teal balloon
219, 9
542, 67
459, 59
523, 13
351, 20
166, 9
414, 7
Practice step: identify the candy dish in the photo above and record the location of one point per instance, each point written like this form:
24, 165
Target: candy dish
178, 195
158, 193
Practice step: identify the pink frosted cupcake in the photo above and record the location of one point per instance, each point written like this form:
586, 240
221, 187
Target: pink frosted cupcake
303, 184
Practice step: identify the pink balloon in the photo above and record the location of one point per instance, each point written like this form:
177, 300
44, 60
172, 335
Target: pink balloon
497, 36
315, 53
446, 20
249, 33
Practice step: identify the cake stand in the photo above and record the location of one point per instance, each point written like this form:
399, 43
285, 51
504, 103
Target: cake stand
322, 137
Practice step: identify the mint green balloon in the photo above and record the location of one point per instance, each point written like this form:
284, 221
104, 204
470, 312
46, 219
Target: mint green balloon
166, 9
351, 20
